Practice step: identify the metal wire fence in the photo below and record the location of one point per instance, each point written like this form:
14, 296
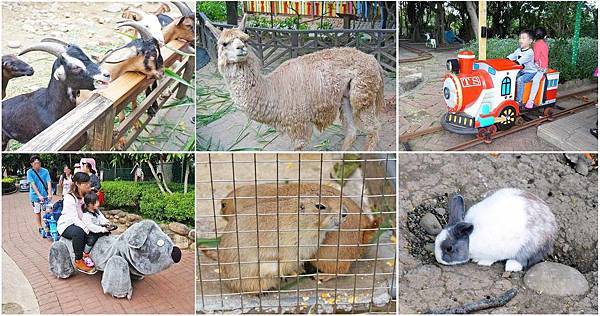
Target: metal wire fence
295, 233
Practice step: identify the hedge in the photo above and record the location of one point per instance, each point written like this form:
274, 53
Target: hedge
145, 199
559, 55
9, 185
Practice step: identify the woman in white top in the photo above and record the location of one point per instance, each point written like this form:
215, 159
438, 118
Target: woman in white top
66, 179
70, 224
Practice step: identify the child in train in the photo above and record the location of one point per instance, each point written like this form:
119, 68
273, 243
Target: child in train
540, 59
524, 56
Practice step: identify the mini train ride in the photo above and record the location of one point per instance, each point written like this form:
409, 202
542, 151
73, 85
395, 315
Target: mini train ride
480, 95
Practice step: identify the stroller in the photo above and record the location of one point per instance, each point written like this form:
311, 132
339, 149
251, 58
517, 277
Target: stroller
52, 212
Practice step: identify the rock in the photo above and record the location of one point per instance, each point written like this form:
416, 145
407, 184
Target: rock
13, 44
430, 247
556, 279
430, 223
114, 212
192, 235
113, 8
133, 217
164, 227
440, 211
180, 241
179, 228
123, 220
12, 308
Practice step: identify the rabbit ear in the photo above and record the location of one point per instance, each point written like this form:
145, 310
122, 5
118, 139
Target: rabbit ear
457, 209
462, 229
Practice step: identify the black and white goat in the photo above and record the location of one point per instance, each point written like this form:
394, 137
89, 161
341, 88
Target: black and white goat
27, 115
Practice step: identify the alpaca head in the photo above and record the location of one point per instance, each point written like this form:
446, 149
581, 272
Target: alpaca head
231, 43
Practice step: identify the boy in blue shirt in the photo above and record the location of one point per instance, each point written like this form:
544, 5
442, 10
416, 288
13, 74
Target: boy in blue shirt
523, 55
39, 184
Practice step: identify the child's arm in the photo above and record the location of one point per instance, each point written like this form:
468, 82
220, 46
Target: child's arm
103, 220
526, 57
514, 55
93, 227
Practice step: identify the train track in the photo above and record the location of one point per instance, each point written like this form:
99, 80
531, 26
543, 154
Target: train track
421, 54
535, 122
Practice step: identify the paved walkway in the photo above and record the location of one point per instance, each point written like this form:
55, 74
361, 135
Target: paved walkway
171, 291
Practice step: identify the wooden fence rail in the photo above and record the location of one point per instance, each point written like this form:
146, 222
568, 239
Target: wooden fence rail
92, 123
274, 46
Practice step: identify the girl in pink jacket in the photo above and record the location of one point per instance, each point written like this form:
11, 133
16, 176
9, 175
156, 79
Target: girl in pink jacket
540, 59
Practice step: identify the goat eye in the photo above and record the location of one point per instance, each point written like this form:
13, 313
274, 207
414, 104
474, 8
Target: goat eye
449, 249
225, 44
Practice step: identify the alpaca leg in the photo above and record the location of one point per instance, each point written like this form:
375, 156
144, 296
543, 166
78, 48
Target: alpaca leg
370, 123
348, 123
302, 139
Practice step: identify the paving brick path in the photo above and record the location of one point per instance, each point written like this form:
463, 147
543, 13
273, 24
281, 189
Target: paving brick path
171, 291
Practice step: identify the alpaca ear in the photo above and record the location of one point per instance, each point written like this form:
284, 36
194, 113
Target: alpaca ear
216, 32
242, 25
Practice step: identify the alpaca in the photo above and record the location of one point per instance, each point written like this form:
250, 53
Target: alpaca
304, 91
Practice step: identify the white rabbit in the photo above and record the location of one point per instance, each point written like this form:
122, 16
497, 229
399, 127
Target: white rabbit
511, 224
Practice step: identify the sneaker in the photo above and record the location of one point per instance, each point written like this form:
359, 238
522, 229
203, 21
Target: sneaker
88, 261
529, 105
83, 268
42, 232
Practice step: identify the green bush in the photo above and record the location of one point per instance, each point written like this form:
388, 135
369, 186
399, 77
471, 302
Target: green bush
214, 10
145, 199
559, 55
166, 208
9, 185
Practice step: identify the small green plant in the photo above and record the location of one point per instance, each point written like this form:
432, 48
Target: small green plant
214, 10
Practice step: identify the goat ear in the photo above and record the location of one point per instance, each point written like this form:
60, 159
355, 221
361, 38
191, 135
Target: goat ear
242, 25
162, 9
59, 73
215, 31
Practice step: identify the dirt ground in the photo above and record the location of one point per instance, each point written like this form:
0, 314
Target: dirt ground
425, 182
422, 106
92, 26
370, 277
243, 133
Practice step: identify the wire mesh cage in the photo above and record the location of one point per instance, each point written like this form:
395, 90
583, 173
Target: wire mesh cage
295, 233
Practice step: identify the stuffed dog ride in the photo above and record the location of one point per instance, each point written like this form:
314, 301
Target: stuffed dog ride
143, 249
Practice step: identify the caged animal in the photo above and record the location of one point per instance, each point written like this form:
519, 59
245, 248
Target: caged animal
282, 236
304, 91
13, 67
26, 115
172, 28
357, 229
511, 225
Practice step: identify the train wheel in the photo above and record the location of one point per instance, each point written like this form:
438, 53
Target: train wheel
510, 117
549, 113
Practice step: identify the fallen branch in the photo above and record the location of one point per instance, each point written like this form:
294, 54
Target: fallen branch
491, 302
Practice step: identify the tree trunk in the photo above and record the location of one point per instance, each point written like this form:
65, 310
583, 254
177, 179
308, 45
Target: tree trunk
472, 11
162, 169
232, 16
155, 177
440, 24
186, 175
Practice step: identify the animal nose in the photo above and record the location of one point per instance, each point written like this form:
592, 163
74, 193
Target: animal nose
106, 75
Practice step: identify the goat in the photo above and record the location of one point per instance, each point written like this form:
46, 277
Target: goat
13, 67
27, 115
149, 21
305, 91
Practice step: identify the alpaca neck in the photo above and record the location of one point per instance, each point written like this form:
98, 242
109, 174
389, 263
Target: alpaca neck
248, 88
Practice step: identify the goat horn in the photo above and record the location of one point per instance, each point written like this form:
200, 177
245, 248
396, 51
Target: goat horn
144, 33
183, 8
54, 40
49, 47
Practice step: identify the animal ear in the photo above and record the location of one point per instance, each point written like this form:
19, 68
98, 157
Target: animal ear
242, 25
457, 209
138, 233
119, 55
215, 31
132, 14
59, 73
162, 9
462, 229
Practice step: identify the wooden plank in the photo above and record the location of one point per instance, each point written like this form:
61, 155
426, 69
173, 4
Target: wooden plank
67, 130
100, 136
187, 76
